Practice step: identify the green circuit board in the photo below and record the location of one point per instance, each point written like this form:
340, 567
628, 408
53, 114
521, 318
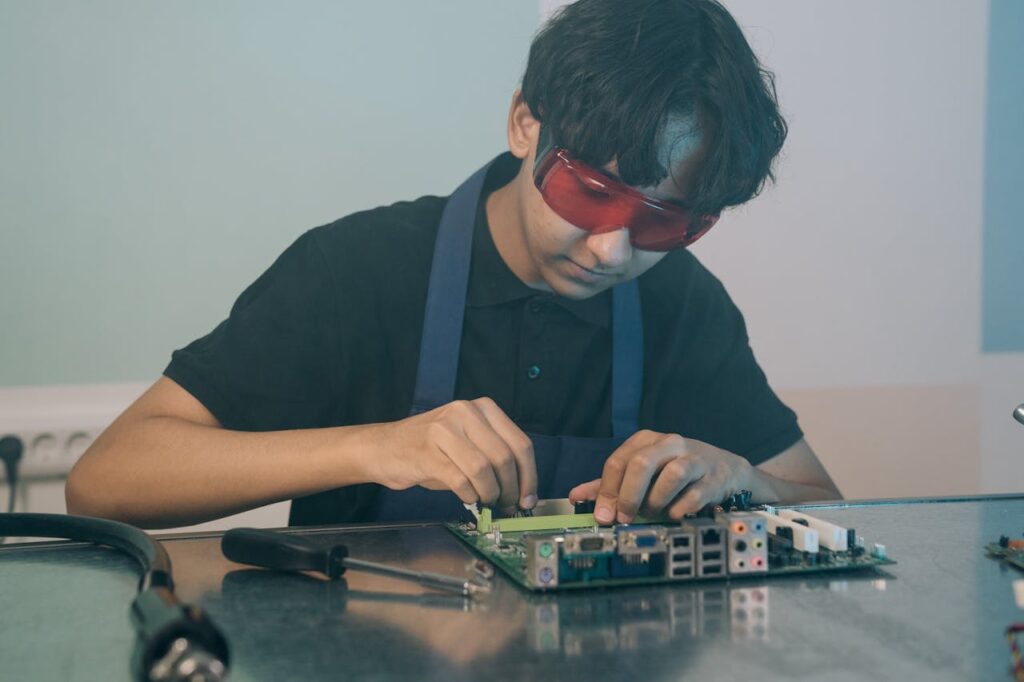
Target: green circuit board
567, 551
1012, 556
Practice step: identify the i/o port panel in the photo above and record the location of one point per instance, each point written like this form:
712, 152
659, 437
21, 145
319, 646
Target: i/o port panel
712, 550
748, 542
542, 557
682, 547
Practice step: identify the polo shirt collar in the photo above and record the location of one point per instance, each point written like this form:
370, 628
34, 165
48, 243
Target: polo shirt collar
492, 282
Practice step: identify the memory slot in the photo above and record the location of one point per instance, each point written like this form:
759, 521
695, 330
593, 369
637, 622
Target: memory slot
830, 536
805, 538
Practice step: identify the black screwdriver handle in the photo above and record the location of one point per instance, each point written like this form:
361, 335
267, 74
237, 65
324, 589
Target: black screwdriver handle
282, 552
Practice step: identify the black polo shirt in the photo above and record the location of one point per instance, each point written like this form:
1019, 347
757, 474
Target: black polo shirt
329, 335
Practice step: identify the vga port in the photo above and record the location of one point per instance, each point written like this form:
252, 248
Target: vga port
647, 541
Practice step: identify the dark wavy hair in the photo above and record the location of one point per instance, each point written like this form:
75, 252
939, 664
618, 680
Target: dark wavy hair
604, 76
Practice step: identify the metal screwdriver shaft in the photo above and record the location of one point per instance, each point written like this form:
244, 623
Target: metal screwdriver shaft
426, 578
287, 552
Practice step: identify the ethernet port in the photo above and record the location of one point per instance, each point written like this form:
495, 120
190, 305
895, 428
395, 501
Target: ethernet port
711, 536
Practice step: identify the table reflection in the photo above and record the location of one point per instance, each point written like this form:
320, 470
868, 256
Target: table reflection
628, 621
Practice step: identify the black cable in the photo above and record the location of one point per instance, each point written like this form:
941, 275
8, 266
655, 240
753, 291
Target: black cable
11, 451
150, 554
174, 641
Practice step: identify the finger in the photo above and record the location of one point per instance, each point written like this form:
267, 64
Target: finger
447, 476
695, 497
641, 470
585, 492
611, 479
473, 463
482, 434
674, 476
522, 450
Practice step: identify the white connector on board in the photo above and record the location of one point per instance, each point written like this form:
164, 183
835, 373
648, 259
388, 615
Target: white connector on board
805, 539
830, 536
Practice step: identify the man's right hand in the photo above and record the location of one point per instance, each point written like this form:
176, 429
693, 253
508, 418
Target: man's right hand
468, 446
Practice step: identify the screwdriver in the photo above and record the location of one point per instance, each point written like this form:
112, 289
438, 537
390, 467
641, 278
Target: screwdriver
287, 552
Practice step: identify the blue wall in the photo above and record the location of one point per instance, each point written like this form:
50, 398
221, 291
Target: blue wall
1003, 250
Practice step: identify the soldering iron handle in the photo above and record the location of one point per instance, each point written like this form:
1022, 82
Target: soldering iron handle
282, 551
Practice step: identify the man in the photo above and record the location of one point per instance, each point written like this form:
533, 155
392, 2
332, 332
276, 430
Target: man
542, 332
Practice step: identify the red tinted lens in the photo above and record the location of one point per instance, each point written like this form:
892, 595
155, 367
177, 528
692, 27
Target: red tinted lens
592, 202
657, 230
587, 205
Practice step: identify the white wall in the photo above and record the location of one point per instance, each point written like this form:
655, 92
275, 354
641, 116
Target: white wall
862, 266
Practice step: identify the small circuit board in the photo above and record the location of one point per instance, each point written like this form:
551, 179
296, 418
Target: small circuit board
561, 547
1010, 551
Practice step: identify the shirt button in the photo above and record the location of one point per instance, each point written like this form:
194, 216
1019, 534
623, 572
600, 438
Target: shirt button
535, 307
533, 372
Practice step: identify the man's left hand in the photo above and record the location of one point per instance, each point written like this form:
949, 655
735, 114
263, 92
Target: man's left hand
664, 474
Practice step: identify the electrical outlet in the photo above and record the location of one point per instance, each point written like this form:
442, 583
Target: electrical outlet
57, 424
50, 453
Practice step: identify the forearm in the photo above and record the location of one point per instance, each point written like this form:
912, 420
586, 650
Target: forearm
768, 489
159, 471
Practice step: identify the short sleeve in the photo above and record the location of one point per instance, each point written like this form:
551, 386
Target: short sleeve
268, 366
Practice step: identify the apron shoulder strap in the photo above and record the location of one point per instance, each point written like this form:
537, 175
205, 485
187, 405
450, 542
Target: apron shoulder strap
446, 297
438, 364
627, 359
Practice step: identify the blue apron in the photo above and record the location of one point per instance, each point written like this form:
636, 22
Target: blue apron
563, 462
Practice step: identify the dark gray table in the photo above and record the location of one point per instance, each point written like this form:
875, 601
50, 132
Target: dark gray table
938, 615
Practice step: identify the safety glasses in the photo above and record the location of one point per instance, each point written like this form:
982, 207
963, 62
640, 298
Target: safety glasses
596, 203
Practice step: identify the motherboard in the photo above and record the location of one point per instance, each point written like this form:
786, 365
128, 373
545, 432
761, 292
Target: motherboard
562, 547
1010, 551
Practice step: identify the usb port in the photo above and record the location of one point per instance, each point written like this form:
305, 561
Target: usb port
711, 556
